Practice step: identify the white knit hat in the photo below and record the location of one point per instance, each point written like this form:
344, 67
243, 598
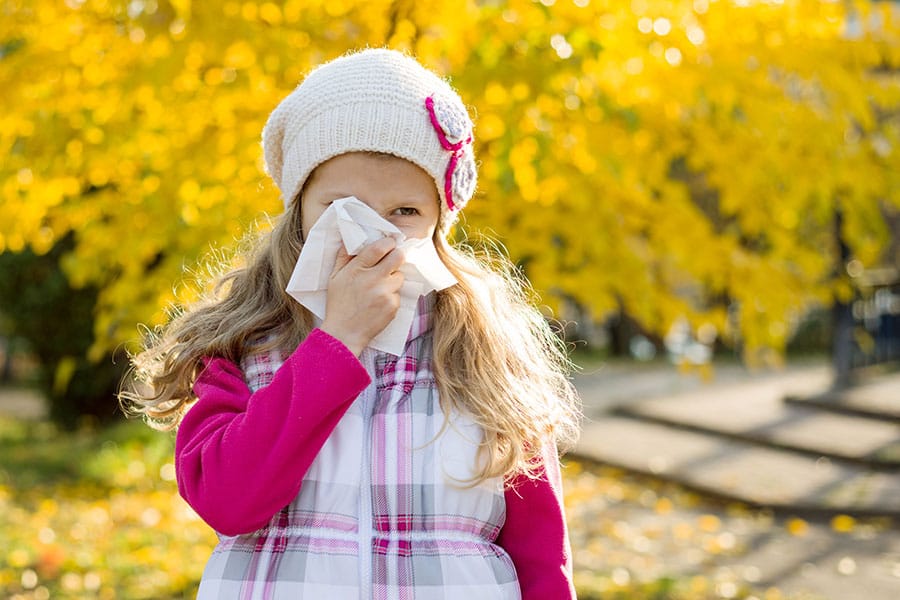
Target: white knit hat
374, 100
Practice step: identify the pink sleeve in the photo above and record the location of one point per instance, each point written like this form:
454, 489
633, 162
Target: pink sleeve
535, 534
240, 456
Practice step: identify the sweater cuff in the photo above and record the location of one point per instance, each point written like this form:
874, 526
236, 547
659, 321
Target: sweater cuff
326, 340
332, 352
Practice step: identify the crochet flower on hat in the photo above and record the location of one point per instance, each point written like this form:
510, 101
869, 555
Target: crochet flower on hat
454, 131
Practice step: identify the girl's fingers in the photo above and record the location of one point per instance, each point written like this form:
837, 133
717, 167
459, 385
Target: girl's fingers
396, 281
341, 259
372, 254
393, 260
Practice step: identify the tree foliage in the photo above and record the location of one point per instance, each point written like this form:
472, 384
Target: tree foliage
41, 307
667, 158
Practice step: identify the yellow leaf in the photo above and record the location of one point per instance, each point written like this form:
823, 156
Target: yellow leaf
797, 527
709, 523
843, 523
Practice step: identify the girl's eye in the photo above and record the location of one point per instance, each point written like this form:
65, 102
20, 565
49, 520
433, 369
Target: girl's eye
406, 211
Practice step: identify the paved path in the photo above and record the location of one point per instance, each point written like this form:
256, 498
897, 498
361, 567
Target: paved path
20, 403
736, 438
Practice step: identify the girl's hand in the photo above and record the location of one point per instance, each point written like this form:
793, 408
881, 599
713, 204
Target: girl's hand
363, 293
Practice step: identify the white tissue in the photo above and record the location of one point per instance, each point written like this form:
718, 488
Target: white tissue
351, 222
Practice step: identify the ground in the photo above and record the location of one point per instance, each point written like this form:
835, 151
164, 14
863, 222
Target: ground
95, 514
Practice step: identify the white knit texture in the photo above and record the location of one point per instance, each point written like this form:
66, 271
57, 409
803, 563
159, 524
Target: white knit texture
373, 100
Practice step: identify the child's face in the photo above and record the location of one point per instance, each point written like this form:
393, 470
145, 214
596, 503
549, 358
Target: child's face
396, 189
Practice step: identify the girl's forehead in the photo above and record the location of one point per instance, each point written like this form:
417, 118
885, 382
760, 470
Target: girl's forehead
366, 167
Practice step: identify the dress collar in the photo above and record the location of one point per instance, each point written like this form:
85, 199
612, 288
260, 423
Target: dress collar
422, 321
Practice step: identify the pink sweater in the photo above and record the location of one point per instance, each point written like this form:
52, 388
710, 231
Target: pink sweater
255, 448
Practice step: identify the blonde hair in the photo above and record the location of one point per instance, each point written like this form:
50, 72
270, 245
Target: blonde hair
495, 356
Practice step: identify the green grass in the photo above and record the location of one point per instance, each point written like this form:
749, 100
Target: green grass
95, 514
39, 455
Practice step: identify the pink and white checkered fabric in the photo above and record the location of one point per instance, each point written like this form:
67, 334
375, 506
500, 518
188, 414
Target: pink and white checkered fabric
380, 514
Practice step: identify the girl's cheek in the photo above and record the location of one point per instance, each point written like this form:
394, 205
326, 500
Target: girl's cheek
416, 231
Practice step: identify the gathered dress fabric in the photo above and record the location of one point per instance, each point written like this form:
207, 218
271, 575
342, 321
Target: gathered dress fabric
328, 476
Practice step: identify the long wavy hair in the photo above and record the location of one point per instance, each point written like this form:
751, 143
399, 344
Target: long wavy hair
495, 355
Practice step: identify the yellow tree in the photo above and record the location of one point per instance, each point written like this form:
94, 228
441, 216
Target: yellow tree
672, 157
661, 157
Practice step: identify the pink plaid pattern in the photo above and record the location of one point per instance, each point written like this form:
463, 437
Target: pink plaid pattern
397, 526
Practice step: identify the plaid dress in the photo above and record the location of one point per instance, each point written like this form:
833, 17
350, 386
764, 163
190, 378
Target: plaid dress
380, 513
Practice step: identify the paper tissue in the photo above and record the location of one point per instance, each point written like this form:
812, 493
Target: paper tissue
351, 222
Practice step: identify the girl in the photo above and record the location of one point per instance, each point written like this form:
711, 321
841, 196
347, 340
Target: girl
332, 470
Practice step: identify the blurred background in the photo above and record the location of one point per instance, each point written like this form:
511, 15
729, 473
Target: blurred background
705, 193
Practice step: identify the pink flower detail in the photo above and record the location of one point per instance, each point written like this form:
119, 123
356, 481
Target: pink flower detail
454, 133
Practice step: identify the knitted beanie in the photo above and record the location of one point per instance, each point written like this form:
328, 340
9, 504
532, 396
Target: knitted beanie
374, 100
